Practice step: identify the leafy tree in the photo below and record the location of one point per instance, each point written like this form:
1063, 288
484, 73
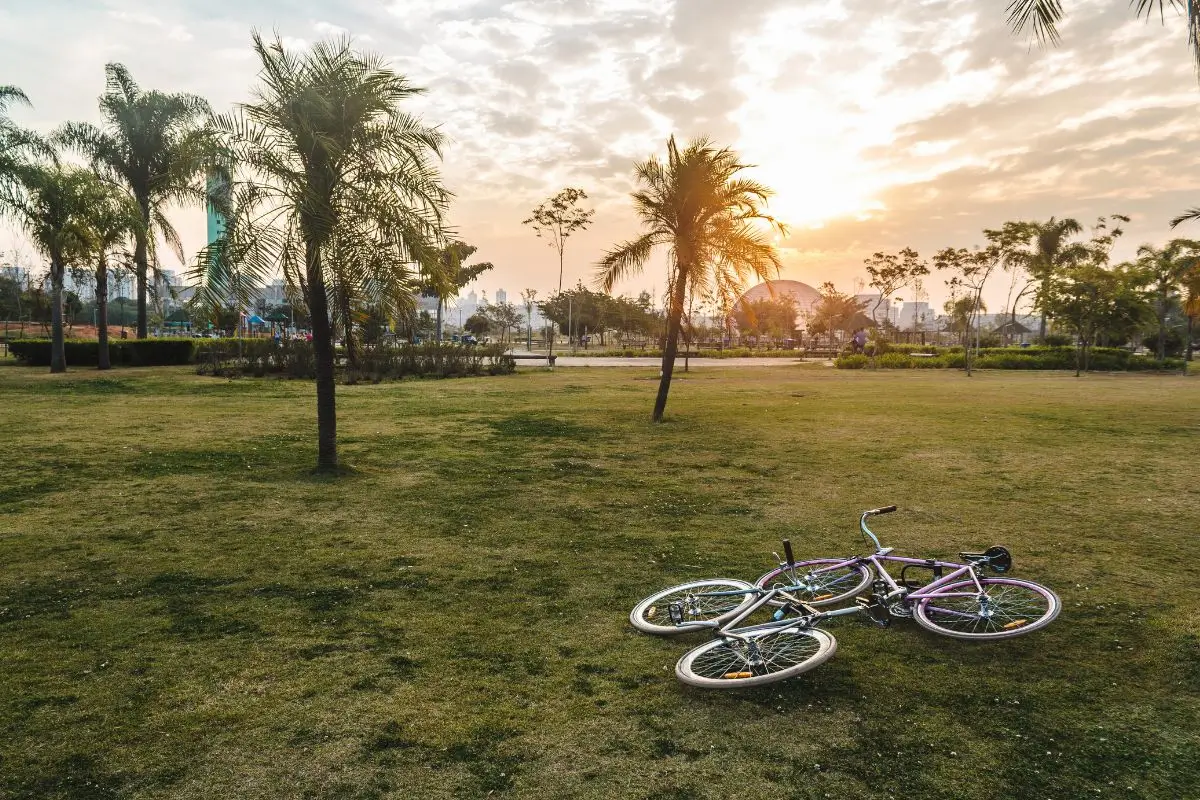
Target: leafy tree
708, 218
51, 208
835, 312
155, 144
1166, 268
504, 318
338, 187
774, 318
1041, 18
890, 271
478, 324
971, 269
445, 277
556, 220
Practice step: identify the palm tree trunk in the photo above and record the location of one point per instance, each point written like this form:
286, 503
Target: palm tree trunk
141, 261
671, 346
1187, 344
103, 361
322, 339
58, 354
438, 335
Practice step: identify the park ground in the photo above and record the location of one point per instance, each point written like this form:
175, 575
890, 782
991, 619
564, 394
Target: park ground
186, 612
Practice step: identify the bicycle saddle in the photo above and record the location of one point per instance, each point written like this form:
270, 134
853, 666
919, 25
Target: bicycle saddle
998, 559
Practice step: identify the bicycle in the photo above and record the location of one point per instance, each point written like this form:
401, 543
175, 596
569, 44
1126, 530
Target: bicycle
960, 604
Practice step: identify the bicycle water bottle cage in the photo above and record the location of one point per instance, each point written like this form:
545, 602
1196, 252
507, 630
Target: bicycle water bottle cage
998, 559
676, 611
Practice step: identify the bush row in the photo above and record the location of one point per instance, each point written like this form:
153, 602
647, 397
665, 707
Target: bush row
1104, 359
121, 352
297, 359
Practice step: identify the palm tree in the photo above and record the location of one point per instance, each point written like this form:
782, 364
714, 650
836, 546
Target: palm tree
338, 188
112, 220
448, 274
155, 144
1167, 267
1047, 253
17, 145
711, 223
1041, 18
51, 208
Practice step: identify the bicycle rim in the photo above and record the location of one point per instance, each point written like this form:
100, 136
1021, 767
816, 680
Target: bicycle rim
769, 657
1014, 607
652, 615
820, 589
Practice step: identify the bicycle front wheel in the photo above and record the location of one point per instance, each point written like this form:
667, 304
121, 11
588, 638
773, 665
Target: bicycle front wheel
1005, 608
774, 655
819, 582
713, 600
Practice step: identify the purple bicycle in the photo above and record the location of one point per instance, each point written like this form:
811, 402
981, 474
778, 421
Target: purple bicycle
956, 602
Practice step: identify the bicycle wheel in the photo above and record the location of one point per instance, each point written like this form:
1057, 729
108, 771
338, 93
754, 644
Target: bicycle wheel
653, 615
773, 655
1012, 607
818, 588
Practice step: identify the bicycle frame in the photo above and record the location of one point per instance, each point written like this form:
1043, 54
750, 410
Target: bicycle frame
895, 591
730, 630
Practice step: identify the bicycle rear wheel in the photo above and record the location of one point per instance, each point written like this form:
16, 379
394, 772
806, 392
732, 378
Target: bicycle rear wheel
767, 657
1007, 607
702, 601
815, 583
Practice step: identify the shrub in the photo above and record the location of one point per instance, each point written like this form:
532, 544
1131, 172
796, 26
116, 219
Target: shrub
122, 352
297, 359
1059, 340
851, 361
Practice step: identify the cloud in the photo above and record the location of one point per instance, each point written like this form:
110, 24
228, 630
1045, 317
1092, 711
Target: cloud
878, 126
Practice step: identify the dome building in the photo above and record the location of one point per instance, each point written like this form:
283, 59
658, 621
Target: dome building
805, 297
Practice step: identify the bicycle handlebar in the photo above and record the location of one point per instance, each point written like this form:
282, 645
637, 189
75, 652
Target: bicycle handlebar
862, 524
787, 552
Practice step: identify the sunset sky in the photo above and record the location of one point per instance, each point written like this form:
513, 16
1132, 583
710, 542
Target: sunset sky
878, 125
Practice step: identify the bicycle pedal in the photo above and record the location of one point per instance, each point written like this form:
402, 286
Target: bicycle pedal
676, 612
1016, 623
821, 597
651, 611
734, 675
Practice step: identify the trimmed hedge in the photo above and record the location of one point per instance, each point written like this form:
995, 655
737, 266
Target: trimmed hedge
297, 359
121, 352
1100, 359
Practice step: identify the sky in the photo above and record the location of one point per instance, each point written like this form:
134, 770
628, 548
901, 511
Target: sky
878, 126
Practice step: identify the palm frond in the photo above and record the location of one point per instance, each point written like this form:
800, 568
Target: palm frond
1040, 17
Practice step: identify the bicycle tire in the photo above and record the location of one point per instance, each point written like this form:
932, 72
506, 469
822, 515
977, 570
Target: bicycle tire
841, 585
1023, 606
647, 614
783, 653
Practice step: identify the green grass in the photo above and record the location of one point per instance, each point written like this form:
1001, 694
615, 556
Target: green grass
186, 612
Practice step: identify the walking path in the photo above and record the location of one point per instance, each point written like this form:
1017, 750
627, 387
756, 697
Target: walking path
639, 361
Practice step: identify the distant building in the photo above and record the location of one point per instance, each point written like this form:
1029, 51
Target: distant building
501, 296
915, 317
884, 312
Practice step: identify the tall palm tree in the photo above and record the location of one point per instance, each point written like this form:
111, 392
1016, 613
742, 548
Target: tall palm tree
1041, 18
1167, 268
1048, 251
338, 187
156, 145
712, 224
112, 221
51, 208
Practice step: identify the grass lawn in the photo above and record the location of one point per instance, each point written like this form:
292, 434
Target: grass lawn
185, 612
